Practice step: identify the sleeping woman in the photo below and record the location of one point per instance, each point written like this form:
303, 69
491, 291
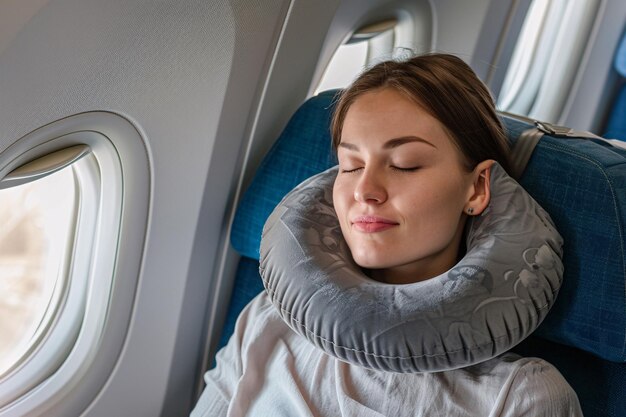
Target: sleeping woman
422, 160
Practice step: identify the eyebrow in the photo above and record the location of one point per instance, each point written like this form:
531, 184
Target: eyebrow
391, 143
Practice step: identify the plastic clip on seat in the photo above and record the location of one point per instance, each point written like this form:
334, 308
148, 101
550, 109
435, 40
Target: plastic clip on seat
523, 148
563, 131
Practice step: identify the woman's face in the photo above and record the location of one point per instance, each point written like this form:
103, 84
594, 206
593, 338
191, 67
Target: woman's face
401, 189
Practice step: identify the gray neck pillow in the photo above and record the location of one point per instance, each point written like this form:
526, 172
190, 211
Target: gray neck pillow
488, 302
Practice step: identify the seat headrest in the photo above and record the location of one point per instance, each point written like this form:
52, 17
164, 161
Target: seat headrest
580, 183
303, 149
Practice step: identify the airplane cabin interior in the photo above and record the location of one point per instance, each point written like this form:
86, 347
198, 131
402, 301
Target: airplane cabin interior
144, 144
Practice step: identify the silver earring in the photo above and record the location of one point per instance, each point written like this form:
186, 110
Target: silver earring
470, 210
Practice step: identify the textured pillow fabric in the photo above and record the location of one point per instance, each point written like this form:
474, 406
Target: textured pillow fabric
491, 300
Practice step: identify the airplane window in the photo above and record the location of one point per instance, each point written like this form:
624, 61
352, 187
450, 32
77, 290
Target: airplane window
545, 60
367, 46
49, 208
69, 226
523, 72
35, 233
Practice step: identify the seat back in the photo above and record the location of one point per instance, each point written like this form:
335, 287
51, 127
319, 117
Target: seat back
302, 150
580, 182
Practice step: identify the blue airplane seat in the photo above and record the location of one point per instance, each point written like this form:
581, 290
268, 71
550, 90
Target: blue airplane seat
616, 125
302, 150
580, 182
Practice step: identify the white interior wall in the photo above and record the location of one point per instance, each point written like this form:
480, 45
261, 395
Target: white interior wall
15, 14
452, 17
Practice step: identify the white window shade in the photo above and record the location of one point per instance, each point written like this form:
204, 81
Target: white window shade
546, 59
564, 61
44, 166
529, 58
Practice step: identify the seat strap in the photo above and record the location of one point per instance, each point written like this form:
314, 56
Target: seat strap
525, 145
523, 149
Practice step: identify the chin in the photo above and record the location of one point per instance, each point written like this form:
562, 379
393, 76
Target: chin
369, 263
373, 255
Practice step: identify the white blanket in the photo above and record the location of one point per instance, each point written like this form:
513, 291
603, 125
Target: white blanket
268, 370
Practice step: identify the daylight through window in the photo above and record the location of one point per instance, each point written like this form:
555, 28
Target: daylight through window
35, 235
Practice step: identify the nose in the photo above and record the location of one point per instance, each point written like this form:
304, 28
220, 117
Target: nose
370, 189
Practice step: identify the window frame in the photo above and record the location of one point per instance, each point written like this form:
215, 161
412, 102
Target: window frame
75, 358
381, 40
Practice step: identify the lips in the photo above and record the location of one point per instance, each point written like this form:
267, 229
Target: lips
372, 224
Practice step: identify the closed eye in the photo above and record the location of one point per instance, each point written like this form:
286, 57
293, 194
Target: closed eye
408, 169
348, 171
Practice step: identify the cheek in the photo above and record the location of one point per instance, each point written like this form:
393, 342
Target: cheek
341, 203
338, 201
451, 193
450, 201
435, 208
340, 194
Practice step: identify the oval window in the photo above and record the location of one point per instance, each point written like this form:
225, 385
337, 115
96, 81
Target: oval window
367, 46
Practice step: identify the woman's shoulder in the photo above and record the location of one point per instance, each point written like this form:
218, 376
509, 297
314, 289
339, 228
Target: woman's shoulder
259, 309
534, 387
258, 318
531, 369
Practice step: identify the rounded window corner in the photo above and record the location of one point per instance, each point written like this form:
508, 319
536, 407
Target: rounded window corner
71, 346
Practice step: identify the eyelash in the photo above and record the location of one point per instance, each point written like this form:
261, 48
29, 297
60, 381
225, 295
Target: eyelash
411, 169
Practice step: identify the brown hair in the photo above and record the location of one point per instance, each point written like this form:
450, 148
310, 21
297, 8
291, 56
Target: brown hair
450, 91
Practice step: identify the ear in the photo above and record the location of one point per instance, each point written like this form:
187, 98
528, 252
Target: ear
480, 193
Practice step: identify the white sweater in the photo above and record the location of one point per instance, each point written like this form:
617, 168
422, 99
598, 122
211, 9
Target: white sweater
269, 370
